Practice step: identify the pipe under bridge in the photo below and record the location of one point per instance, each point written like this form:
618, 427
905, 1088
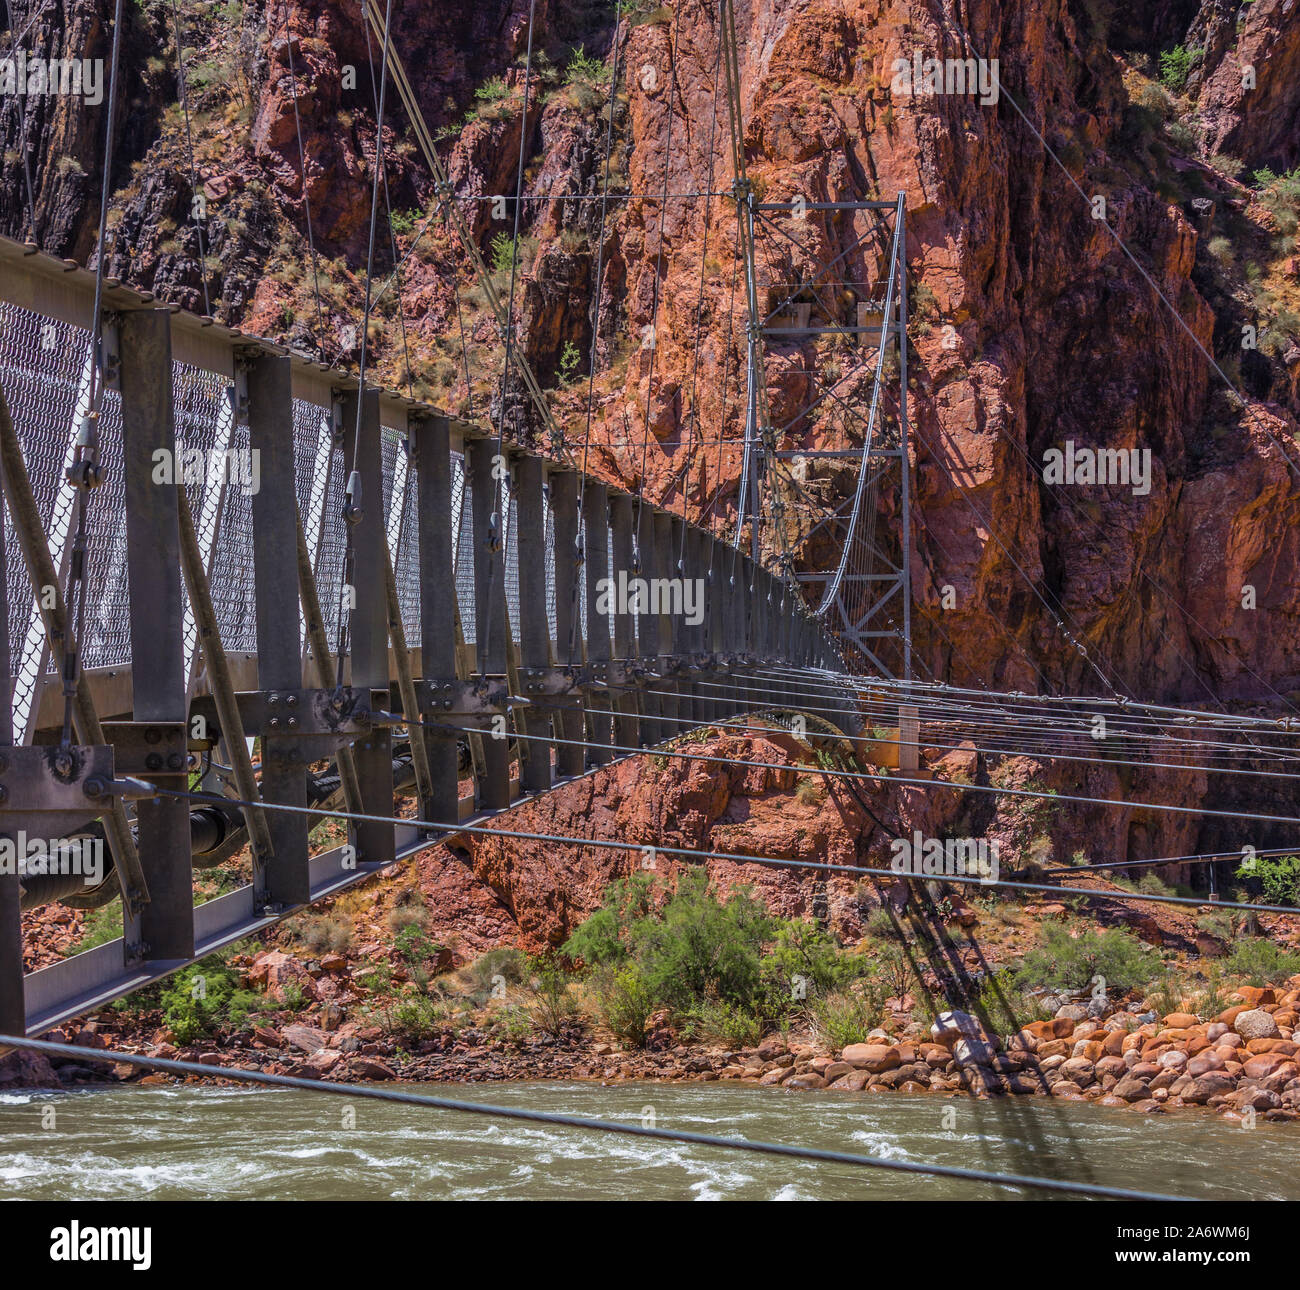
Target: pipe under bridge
485, 614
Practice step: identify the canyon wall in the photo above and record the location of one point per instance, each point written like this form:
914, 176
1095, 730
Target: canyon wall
1034, 322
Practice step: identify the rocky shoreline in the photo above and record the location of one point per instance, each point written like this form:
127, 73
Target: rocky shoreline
1243, 1063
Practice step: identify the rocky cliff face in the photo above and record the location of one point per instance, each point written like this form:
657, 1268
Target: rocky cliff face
1032, 324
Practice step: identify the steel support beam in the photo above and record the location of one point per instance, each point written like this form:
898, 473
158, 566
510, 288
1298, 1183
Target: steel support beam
431, 438
368, 631
622, 514
570, 644
534, 626
595, 518
164, 928
283, 879
490, 611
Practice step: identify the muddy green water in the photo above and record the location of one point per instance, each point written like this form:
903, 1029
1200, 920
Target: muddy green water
207, 1143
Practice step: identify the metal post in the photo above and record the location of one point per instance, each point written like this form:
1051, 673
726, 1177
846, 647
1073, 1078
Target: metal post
658, 641
570, 648
13, 1013
489, 612
701, 549
432, 441
164, 928
647, 631
284, 880
904, 460
683, 634
627, 726
368, 630
596, 550
534, 629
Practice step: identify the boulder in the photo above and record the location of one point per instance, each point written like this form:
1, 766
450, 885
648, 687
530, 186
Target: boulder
1203, 1063
973, 1052
1264, 1064
853, 1082
1132, 1090
307, 1039
1258, 1099
372, 1068
1254, 996
807, 1080
1115, 1066
873, 1058
323, 1060
1213, 1084
949, 1027
1255, 1024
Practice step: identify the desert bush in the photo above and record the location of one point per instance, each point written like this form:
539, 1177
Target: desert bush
625, 1002
206, 999
1261, 962
1070, 962
1275, 878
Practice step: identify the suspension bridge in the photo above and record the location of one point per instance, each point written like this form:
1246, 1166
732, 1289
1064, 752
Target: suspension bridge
243, 591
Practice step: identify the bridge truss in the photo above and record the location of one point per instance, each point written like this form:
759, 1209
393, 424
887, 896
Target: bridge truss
432, 650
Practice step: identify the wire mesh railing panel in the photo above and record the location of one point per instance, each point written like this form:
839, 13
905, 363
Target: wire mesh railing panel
406, 564
462, 528
106, 634
231, 567
548, 526
512, 559
204, 419
308, 419
43, 370
333, 543
390, 444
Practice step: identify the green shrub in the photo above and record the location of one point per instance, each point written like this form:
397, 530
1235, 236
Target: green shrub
328, 935
700, 947
728, 1023
205, 999
410, 1016
846, 1016
505, 962
1066, 962
584, 68
598, 941
717, 960
805, 952
413, 946
551, 1003
1280, 195
405, 222
492, 91
98, 927
625, 1001
1176, 66
570, 357
1221, 248
504, 253
1261, 962
1276, 878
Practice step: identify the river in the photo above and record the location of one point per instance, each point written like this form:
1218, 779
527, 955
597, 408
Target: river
195, 1142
